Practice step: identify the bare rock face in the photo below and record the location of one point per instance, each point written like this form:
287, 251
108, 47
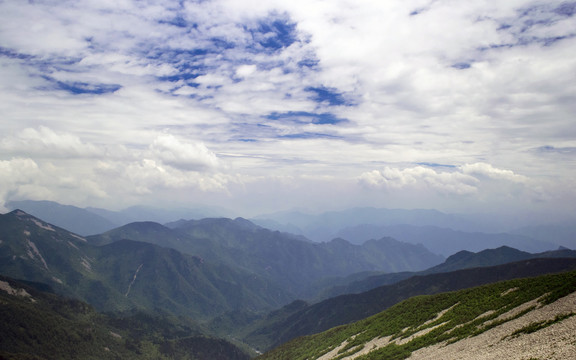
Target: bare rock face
510, 341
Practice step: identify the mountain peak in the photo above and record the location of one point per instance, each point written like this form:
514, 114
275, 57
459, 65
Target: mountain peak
19, 212
247, 224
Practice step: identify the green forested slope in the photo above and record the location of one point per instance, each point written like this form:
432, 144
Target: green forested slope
38, 325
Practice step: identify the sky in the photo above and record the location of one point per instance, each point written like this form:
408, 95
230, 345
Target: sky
261, 106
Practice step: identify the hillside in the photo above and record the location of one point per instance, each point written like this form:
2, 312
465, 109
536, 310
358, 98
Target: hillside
128, 274
304, 319
37, 325
292, 262
530, 318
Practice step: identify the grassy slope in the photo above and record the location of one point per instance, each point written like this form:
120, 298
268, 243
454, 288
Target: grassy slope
418, 313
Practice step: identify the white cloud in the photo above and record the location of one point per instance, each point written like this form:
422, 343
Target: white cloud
17, 171
487, 170
420, 178
184, 155
472, 85
45, 142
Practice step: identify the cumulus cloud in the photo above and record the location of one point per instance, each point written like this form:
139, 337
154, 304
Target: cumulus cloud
183, 155
303, 88
488, 171
45, 142
420, 178
470, 185
24, 178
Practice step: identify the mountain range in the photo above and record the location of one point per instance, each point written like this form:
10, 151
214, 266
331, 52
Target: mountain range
91, 221
445, 241
291, 261
459, 261
232, 278
441, 233
128, 274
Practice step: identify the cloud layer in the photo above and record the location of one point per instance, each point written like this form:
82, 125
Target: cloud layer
263, 106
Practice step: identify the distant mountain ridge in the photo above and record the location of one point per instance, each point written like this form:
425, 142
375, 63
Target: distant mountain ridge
445, 241
325, 226
563, 233
71, 218
91, 221
459, 261
287, 259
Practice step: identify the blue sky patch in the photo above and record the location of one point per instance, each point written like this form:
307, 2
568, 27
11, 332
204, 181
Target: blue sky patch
461, 66
274, 33
308, 135
566, 9
548, 149
303, 117
79, 88
308, 63
324, 94
9, 53
435, 165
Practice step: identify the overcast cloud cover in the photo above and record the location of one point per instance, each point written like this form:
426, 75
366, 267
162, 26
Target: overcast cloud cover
269, 105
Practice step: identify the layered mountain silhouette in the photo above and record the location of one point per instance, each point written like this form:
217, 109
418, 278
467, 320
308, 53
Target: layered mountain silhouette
128, 274
239, 278
293, 262
91, 221
461, 260
446, 241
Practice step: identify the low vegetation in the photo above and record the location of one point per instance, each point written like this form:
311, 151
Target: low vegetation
470, 313
39, 325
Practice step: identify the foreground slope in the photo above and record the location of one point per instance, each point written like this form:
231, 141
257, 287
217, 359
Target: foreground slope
300, 319
515, 319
